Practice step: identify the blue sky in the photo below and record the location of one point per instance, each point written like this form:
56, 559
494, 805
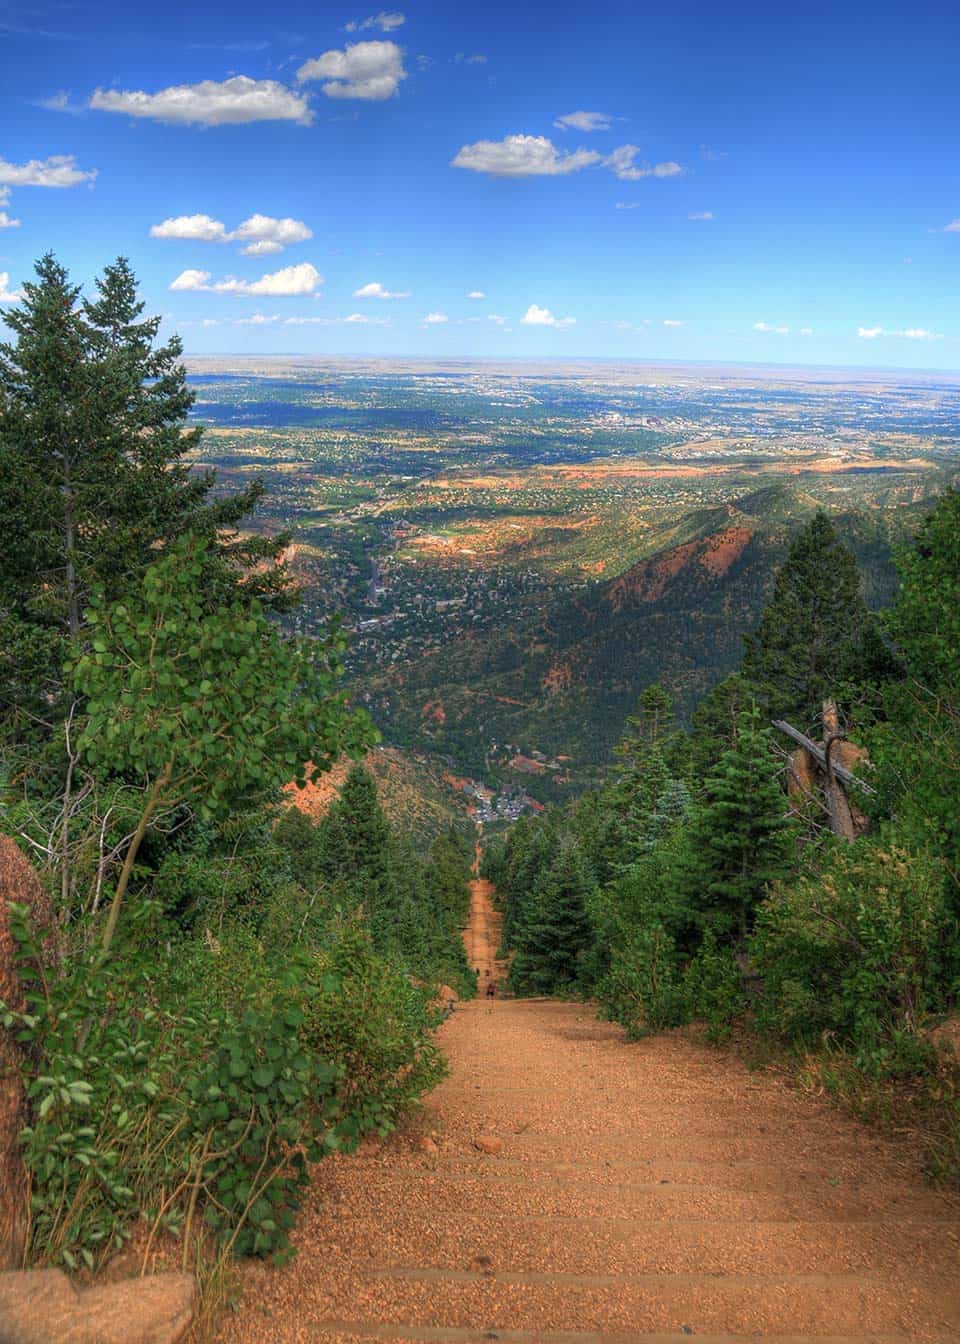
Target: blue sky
748, 182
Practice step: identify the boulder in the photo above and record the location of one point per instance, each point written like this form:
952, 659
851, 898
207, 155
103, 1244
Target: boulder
488, 1143
39, 1306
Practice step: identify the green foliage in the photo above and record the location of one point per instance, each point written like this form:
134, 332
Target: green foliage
372, 1021
93, 479
816, 632
202, 706
861, 951
739, 839
193, 1082
555, 932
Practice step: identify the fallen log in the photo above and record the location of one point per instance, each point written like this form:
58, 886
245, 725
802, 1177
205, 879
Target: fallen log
840, 771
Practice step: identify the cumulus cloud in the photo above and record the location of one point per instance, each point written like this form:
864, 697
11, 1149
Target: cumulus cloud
522, 156
700, 214
435, 319
627, 205
906, 334
622, 163
952, 227
194, 228
235, 101
385, 22
495, 317
60, 170
672, 322
476, 294
806, 331
584, 121
8, 295
264, 233
771, 331
6, 222
542, 317
368, 70
291, 280
374, 290
261, 234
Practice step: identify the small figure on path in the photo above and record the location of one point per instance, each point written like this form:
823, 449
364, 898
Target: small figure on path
491, 989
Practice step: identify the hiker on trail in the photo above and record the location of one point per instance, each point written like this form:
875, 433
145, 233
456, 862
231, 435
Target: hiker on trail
491, 989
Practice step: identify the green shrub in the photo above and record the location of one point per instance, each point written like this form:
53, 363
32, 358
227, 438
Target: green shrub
857, 952
712, 988
371, 1020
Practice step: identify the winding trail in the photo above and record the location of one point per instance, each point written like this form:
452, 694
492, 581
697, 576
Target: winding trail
643, 1194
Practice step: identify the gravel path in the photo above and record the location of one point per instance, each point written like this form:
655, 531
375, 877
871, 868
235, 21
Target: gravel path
640, 1194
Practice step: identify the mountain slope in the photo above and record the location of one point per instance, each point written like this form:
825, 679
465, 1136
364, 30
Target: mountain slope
564, 681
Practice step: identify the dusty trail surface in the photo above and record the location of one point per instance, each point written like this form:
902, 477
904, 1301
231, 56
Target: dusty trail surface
643, 1194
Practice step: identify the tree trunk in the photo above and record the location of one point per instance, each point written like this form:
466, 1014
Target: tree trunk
18, 882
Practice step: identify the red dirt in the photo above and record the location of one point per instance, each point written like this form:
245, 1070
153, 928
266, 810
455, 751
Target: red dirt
643, 1194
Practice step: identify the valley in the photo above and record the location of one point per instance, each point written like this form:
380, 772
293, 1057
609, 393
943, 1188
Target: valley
518, 550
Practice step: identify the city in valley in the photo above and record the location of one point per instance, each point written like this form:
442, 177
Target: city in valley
518, 549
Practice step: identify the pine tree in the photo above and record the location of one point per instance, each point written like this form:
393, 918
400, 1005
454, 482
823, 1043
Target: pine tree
557, 931
816, 633
739, 839
93, 477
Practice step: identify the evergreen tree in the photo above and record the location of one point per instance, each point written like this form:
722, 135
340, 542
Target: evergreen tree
916, 750
816, 633
557, 930
739, 839
93, 477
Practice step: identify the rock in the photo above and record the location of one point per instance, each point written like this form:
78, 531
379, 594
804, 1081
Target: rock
429, 1147
42, 1305
488, 1143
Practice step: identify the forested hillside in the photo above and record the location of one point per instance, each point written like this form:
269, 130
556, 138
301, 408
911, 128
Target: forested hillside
565, 682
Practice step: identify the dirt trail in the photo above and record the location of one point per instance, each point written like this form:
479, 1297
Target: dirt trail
482, 935
644, 1194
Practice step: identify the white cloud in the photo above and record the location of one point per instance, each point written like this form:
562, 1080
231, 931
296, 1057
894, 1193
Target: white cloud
672, 322
771, 331
495, 317
584, 121
700, 214
374, 290
369, 321
622, 163
234, 102
952, 227
337, 321
59, 170
907, 334
6, 222
257, 320
195, 228
4, 195
385, 22
462, 58
627, 205
806, 331
522, 156
8, 295
262, 234
291, 280
369, 70
476, 294
435, 319
542, 317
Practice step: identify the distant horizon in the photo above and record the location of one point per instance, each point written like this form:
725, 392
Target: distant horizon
547, 360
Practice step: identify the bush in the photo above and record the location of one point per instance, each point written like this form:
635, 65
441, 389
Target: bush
857, 952
192, 1082
374, 1023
